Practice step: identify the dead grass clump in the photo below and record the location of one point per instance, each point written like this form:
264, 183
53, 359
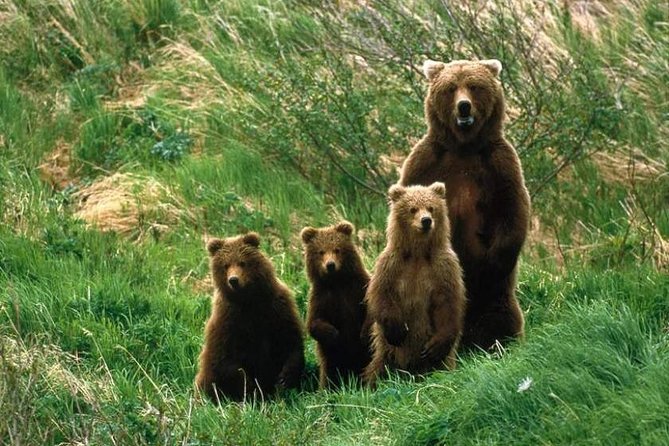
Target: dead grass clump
627, 168
132, 88
55, 168
129, 205
53, 366
392, 163
585, 15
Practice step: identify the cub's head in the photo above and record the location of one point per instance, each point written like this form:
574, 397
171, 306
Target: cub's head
238, 265
464, 96
417, 212
329, 251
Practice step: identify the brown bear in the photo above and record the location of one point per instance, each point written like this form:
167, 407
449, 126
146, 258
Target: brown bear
337, 311
416, 296
488, 203
253, 341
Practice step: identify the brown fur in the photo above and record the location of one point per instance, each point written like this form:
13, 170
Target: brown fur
416, 294
253, 340
337, 311
488, 203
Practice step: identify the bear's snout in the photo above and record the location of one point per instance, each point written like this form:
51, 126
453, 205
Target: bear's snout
426, 223
330, 266
234, 282
464, 108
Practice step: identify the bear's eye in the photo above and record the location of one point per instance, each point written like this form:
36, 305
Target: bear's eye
321, 252
226, 266
430, 209
474, 87
336, 251
242, 264
413, 210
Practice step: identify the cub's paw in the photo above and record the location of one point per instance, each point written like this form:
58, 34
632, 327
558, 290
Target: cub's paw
433, 351
395, 332
325, 333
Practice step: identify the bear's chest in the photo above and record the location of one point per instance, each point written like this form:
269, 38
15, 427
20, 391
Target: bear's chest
415, 285
467, 192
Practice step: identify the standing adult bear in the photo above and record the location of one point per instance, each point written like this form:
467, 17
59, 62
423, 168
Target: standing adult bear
337, 311
487, 200
253, 340
416, 297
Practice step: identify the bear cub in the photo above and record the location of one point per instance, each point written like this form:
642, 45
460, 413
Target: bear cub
488, 203
337, 311
253, 343
416, 296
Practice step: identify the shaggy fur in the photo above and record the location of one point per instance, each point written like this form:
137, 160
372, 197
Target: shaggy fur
253, 340
488, 203
416, 294
337, 311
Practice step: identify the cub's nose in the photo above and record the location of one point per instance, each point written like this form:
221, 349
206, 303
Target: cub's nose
330, 266
464, 108
426, 222
234, 282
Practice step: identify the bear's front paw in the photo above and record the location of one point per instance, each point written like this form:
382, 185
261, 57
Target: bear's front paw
325, 333
433, 351
395, 332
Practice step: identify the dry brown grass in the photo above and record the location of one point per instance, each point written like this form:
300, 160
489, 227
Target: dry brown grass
130, 205
50, 364
627, 167
55, 167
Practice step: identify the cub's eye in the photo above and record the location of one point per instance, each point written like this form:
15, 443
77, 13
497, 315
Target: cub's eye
226, 266
413, 210
242, 264
321, 252
430, 209
451, 88
336, 251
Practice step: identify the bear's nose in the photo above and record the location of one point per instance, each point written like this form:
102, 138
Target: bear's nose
426, 222
330, 266
464, 108
234, 282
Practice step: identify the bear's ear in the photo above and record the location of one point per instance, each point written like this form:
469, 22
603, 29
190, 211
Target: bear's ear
344, 227
395, 192
431, 69
252, 238
214, 245
494, 65
308, 234
439, 189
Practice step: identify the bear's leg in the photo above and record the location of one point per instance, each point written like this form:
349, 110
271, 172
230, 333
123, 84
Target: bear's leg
375, 367
293, 367
323, 369
229, 381
497, 323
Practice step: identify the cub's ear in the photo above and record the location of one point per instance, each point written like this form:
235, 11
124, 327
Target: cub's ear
344, 227
439, 189
308, 234
494, 65
214, 245
252, 238
431, 68
395, 192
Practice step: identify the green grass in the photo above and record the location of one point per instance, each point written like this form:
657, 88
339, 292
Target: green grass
274, 115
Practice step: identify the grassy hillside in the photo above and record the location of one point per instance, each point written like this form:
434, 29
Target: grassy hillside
130, 131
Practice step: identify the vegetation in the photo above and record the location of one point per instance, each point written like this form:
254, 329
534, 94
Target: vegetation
132, 130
